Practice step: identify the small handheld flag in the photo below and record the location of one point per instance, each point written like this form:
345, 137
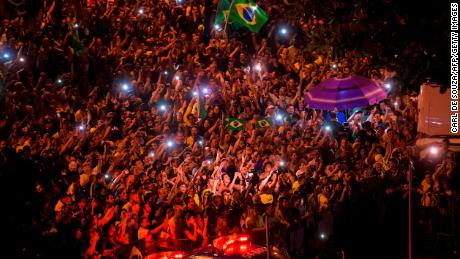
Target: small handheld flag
235, 124
264, 123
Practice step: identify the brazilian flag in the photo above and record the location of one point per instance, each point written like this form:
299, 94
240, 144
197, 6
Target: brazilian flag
264, 123
202, 107
222, 12
241, 13
235, 124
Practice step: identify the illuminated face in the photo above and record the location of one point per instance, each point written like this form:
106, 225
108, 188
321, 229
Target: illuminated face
227, 196
162, 193
145, 222
268, 168
73, 166
147, 208
217, 200
110, 199
375, 120
216, 109
135, 197
194, 131
226, 179
180, 137
285, 203
183, 188
191, 203
136, 208
358, 116
123, 195
282, 91
111, 230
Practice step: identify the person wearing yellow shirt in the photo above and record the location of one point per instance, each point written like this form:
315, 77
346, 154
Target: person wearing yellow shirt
191, 113
190, 140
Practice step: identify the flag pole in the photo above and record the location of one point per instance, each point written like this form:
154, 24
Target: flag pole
227, 17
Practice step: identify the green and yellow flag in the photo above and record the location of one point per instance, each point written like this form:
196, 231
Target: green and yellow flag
75, 42
202, 107
241, 13
264, 122
222, 12
235, 124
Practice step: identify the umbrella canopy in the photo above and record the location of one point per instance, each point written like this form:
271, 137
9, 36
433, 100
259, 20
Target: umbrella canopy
345, 93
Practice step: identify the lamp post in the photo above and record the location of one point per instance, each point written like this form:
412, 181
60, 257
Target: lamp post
266, 237
409, 248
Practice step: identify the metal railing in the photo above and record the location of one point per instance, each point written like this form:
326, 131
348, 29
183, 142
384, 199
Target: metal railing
438, 214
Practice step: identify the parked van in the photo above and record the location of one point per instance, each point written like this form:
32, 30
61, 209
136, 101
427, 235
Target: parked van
434, 118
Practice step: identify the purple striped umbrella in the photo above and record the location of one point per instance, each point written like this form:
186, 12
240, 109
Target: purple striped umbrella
345, 93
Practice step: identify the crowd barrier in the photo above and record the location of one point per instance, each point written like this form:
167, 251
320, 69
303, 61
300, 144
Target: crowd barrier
438, 214
433, 214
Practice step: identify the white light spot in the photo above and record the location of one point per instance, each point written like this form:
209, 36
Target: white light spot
434, 150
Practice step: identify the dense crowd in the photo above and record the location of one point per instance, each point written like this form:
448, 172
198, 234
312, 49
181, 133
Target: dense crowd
120, 110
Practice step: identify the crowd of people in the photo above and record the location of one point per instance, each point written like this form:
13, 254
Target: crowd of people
117, 115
